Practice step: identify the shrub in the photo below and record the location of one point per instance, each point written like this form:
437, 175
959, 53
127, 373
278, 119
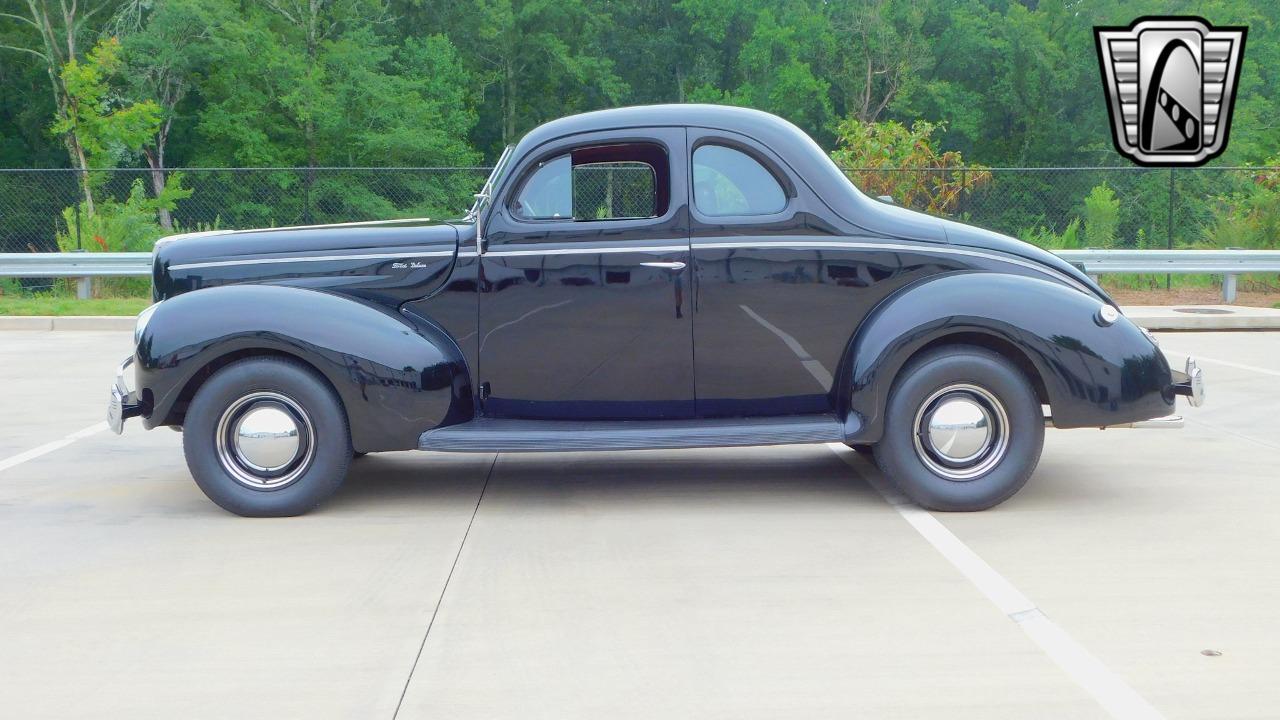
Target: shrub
129, 226
1046, 238
887, 158
1101, 217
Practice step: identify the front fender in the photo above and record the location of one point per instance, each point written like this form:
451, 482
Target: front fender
396, 379
1092, 375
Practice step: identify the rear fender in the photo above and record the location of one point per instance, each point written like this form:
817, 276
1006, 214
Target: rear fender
1091, 375
396, 379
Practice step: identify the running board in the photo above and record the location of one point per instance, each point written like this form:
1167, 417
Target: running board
491, 435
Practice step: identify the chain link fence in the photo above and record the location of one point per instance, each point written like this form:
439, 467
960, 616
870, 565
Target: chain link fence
46, 210
1109, 207
1123, 207
605, 191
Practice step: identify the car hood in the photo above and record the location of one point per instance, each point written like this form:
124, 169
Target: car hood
389, 262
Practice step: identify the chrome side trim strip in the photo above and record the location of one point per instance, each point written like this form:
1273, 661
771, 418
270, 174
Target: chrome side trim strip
950, 250
809, 245
588, 250
311, 258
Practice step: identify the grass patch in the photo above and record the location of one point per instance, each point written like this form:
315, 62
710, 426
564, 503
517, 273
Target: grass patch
62, 305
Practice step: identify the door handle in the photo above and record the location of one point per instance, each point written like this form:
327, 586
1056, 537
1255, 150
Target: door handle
677, 265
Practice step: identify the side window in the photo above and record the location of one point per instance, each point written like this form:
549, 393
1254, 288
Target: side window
608, 182
731, 182
548, 193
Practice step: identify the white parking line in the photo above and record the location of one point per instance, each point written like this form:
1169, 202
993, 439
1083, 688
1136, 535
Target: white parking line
1107, 688
1228, 363
49, 447
815, 368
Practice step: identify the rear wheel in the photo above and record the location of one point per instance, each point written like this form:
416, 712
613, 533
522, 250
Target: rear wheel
963, 430
267, 437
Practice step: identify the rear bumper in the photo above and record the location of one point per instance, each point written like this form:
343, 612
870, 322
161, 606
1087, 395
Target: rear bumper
124, 402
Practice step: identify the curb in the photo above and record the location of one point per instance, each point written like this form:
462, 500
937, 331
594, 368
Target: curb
1203, 317
68, 322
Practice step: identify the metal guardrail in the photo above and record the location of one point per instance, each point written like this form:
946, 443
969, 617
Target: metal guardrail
1228, 263
81, 266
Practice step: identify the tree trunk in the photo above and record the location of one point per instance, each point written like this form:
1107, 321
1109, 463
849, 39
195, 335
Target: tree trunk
508, 103
155, 161
81, 163
56, 48
309, 126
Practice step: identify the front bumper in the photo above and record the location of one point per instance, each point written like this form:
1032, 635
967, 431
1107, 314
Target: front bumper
124, 402
1190, 383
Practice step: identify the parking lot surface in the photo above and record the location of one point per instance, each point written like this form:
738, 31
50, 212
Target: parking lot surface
742, 583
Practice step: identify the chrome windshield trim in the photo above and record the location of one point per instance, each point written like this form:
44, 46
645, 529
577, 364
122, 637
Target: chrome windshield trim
310, 258
486, 190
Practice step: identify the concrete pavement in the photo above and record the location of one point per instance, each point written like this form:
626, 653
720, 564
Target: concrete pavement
759, 582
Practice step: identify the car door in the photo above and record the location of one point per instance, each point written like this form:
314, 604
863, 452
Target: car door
780, 289
585, 282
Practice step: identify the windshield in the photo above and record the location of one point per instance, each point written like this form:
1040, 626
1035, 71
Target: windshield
487, 189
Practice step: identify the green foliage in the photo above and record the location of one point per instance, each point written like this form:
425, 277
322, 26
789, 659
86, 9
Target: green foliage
1043, 237
105, 128
289, 82
128, 226
1247, 218
874, 153
283, 97
65, 303
1101, 217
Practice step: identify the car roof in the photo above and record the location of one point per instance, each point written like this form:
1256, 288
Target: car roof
790, 144
747, 121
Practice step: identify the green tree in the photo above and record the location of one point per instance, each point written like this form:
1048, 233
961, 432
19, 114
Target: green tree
318, 84
883, 48
761, 54
534, 60
53, 35
165, 46
101, 127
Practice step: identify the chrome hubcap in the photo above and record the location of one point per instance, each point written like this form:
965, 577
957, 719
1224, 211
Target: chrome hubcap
265, 440
961, 432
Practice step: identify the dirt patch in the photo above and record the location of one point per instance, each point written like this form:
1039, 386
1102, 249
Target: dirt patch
1193, 296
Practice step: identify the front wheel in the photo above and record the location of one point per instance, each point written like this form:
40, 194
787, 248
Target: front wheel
267, 437
963, 430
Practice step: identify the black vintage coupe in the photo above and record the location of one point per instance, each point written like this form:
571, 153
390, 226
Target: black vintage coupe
652, 277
